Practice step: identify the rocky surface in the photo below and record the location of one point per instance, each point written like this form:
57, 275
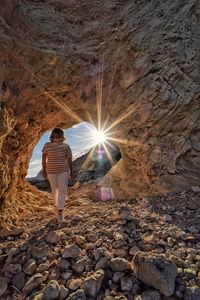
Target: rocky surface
54, 57
136, 248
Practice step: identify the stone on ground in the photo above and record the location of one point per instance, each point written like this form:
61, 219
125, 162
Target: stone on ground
156, 272
92, 284
71, 251
51, 291
34, 282
119, 264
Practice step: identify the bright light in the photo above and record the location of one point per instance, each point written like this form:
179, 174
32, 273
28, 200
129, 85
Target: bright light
99, 137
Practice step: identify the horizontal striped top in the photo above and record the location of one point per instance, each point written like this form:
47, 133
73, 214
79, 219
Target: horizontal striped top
58, 154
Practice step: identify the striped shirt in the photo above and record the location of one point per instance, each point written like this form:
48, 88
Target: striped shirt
58, 154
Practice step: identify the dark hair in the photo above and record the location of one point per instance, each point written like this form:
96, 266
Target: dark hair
57, 133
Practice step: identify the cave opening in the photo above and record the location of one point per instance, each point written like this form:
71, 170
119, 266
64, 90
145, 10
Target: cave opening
93, 156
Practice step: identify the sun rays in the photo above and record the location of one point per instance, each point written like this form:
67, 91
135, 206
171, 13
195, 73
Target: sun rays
101, 135
104, 134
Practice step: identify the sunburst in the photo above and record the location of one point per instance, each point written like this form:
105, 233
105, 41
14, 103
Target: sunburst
100, 134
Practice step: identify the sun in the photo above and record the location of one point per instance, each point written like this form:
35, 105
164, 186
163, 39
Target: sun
99, 136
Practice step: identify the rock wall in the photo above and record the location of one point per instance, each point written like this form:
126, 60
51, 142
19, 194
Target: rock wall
145, 54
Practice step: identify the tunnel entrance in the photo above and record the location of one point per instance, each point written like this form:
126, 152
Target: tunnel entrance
89, 161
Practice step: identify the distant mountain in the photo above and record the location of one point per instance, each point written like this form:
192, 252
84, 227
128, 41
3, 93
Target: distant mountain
89, 165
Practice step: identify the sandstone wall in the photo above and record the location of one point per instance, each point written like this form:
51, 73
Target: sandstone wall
147, 52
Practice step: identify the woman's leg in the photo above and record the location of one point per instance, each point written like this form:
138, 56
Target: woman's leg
53, 180
62, 189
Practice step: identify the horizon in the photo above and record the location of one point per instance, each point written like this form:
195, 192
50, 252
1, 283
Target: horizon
75, 137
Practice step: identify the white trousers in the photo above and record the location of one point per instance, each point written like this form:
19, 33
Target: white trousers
59, 184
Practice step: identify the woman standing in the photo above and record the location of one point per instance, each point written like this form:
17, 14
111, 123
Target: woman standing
57, 167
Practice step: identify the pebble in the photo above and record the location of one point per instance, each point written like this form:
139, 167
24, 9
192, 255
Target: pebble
168, 218
34, 282
51, 291
30, 266
92, 284
40, 252
74, 284
71, 251
119, 264
52, 238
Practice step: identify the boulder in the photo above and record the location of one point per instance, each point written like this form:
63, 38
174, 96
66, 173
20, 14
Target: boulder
156, 272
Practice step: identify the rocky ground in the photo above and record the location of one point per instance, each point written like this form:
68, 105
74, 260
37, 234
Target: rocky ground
138, 247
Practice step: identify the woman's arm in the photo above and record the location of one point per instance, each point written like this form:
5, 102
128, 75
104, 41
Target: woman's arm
44, 157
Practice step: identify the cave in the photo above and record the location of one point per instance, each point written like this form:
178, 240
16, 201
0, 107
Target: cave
131, 68
140, 61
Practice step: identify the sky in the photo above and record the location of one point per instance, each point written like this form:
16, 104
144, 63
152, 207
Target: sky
76, 137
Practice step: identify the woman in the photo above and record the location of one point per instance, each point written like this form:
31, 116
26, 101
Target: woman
57, 167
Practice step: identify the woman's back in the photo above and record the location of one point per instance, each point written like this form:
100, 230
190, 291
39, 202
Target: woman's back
57, 156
